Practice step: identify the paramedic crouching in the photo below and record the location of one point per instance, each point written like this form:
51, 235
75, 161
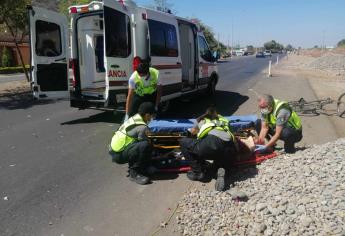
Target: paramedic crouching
131, 145
214, 142
280, 121
143, 86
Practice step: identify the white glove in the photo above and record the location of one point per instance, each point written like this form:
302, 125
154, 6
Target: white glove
126, 117
156, 108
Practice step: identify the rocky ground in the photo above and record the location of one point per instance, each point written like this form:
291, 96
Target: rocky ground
334, 63
300, 194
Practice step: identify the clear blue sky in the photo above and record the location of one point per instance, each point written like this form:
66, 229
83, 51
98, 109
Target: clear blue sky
298, 22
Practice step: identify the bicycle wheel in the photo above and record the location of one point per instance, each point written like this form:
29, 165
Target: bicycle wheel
341, 105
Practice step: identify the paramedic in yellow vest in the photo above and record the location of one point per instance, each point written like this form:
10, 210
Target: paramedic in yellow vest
214, 141
280, 121
131, 145
143, 86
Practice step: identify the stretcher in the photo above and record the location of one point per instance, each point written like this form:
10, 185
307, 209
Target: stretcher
166, 134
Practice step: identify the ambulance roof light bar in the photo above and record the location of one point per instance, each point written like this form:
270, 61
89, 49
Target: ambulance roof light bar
93, 6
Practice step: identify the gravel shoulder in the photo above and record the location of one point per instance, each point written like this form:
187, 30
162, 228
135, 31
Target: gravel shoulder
203, 211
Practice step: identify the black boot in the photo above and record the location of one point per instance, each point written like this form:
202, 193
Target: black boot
196, 174
135, 176
220, 182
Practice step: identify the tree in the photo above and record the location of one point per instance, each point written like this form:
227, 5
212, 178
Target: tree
14, 18
316, 46
341, 43
162, 5
273, 46
250, 48
210, 38
7, 57
289, 47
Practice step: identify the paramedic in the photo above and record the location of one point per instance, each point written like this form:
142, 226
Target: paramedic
280, 121
131, 145
214, 142
143, 86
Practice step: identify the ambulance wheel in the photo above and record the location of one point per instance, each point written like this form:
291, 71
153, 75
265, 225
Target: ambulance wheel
211, 89
164, 106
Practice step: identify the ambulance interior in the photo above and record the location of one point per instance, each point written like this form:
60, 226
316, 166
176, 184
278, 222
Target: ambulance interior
187, 44
91, 55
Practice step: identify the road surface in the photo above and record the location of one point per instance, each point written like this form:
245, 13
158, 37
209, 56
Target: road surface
56, 177
12, 77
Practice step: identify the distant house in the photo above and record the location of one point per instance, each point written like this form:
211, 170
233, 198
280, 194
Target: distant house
6, 41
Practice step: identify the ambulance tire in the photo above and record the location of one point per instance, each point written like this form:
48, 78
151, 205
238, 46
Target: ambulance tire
211, 89
164, 106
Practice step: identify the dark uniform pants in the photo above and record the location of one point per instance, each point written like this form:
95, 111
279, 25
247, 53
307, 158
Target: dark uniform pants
137, 155
138, 100
208, 148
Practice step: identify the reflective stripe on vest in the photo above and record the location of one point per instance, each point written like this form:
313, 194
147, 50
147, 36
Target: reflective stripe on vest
121, 139
294, 120
140, 88
220, 124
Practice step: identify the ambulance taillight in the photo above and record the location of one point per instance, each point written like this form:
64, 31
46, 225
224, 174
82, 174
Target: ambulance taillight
136, 62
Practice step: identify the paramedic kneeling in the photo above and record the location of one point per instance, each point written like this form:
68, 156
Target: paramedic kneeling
214, 142
280, 121
143, 86
131, 145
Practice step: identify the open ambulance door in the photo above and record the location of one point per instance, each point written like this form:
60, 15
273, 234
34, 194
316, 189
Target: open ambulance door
49, 55
118, 46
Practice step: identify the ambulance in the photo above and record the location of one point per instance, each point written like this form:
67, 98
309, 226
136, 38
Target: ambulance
91, 60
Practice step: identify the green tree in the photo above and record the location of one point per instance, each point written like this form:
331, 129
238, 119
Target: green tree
341, 43
289, 47
7, 57
316, 46
210, 37
250, 48
273, 46
14, 18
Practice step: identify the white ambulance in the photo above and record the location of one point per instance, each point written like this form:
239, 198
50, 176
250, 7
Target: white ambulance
105, 40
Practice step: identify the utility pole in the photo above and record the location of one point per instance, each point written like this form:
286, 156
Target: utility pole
323, 42
232, 34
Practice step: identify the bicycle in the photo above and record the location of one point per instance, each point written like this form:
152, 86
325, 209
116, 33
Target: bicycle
341, 105
313, 107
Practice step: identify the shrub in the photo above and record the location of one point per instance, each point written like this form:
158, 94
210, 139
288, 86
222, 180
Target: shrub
11, 70
7, 57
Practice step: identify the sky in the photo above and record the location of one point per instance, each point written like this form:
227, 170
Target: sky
301, 23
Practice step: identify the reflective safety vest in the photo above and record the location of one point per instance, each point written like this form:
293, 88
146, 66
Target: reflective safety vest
294, 120
140, 88
220, 124
121, 139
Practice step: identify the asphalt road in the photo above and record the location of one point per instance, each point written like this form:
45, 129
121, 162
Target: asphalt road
56, 177
12, 77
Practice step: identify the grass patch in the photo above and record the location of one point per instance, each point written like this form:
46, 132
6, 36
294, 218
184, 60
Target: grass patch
12, 70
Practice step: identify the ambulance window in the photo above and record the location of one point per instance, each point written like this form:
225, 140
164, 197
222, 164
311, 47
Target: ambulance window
117, 33
48, 39
163, 39
204, 51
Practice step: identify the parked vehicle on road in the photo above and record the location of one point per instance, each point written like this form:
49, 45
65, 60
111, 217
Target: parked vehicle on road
267, 53
106, 40
260, 55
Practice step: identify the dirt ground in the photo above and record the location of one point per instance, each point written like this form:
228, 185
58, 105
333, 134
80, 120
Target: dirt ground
13, 87
325, 84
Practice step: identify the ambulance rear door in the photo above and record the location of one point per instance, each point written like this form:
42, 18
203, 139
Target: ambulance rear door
118, 50
49, 55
